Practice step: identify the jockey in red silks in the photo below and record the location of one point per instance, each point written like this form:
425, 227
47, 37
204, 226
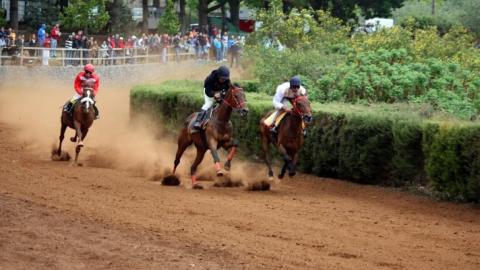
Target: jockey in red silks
85, 78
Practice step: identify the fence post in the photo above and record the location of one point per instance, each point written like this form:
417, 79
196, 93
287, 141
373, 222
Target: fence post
146, 62
21, 56
81, 57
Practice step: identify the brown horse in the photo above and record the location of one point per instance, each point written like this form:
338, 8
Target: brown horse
82, 119
289, 138
218, 133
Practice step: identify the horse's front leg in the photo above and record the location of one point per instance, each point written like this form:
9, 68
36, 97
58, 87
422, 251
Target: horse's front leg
231, 148
78, 138
213, 145
62, 135
286, 158
266, 155
293, 165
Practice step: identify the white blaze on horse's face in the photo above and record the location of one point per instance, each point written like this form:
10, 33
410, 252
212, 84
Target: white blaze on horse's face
88, 101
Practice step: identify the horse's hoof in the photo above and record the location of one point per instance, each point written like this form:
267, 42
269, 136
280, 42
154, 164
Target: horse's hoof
227, 166
197, 186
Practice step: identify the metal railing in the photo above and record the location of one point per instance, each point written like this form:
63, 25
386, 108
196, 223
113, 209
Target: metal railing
65, 57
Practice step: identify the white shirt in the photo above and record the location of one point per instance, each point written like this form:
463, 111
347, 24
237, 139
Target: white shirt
283, 90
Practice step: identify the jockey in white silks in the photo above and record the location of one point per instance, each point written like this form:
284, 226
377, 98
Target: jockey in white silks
285, 93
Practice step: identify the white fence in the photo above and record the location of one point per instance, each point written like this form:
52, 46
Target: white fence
65, 57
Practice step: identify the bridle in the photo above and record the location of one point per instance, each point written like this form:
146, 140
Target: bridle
237, 105
295, 105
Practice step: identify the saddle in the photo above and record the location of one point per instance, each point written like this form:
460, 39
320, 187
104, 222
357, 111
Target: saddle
204, 122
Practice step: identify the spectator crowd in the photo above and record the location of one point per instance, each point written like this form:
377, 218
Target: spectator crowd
206, 44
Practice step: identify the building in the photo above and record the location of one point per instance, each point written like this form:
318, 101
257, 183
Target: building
5, 4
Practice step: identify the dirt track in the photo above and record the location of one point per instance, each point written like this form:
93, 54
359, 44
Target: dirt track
108, 215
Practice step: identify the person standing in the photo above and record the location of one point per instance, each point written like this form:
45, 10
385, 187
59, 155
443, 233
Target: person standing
68, 52
41, 35
54, 37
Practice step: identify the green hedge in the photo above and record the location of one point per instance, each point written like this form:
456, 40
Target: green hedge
371, 145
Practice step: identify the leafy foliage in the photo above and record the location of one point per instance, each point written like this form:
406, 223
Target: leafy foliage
39, 12
448, 13
85, 15
392, 65
3, 14
121, 20
169, 22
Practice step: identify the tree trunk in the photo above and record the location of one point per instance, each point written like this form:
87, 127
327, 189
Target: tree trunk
234, 12
14, 14
224, 19
145, 16
202, 13
181, 16
115, 13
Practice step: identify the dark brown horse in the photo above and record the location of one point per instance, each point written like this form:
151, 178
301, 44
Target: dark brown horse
289, 138
82, 119
218, 133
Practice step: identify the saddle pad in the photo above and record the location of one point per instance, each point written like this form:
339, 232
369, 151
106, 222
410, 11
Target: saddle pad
269, 120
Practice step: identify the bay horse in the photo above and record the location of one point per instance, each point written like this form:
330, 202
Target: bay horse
289, 138
81, 119
218, 133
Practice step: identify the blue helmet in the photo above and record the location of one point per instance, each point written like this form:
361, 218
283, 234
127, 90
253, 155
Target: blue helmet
295, 81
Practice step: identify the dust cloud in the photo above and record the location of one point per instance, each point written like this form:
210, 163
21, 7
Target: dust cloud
33, 108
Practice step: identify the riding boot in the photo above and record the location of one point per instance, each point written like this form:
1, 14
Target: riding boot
97, 113
68, 107
198, 121
274, 129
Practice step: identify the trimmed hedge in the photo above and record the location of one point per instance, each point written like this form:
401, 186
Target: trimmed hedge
364, 144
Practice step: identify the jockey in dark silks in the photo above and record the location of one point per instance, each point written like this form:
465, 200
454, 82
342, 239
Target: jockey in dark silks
216, 84
85, 78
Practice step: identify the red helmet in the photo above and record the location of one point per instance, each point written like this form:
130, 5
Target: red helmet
89, 67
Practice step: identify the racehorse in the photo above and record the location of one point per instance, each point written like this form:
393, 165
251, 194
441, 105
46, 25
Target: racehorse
289, 138
218, 133
80, 120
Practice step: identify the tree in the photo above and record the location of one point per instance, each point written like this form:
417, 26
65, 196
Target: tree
204, 10
121, 20
39, 12
234, 11
85, 15
145, 16
14, 14
168, 22
182, 4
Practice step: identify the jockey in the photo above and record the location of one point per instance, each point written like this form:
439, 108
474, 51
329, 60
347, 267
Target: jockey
285, 93
216, 83
84, 78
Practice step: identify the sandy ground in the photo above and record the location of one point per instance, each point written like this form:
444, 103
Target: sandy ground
108, 214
